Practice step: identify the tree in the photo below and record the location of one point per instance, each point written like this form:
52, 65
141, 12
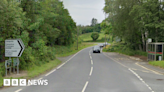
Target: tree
95, 36
12, 21
93, 22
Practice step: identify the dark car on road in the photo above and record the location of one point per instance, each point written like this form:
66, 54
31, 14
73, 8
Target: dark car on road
101, 45
96, 49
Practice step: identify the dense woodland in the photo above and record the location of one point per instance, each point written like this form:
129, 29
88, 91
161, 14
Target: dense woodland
134, 21
41, 24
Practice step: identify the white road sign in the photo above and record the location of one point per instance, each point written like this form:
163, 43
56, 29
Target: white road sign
14, 48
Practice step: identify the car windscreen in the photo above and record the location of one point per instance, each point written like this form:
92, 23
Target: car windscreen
96, 47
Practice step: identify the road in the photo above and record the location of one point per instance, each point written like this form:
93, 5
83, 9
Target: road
94, 72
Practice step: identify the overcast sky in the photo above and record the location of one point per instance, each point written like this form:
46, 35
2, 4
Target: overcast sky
82, 11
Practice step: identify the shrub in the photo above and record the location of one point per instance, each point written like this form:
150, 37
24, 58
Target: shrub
95, 36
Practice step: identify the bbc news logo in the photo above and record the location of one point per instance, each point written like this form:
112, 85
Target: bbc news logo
23, 82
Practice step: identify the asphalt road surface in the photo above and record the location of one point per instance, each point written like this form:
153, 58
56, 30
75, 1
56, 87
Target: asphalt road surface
98, 72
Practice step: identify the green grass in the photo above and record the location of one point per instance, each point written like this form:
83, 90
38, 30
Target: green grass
62, 51
87, 37
36, 70
157, 63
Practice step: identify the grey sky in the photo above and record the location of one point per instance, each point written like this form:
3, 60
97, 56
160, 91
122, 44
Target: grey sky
82, 11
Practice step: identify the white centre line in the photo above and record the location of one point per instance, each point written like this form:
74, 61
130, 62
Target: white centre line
85, 87
91, 71
92, 62
18, 90
91, 57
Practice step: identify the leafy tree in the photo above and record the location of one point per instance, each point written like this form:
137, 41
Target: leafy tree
41, 24
93, 22
95, 36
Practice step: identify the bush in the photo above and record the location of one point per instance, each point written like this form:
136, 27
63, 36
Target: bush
95, 36
122, 48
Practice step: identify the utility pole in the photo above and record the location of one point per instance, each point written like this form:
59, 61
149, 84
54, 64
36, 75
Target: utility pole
77, 38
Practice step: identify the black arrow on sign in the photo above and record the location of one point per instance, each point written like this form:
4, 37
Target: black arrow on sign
21, 48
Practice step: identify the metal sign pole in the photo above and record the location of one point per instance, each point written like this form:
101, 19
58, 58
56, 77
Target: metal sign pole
17, 65
6, 66
10, 65
13, 67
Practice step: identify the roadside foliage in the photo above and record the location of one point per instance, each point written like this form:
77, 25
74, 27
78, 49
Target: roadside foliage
134, 21
41, 24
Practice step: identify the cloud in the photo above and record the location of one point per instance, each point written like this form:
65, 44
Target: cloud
82, 11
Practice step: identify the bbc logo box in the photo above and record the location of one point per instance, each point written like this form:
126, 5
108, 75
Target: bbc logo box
14, 82
6, 82
24, 82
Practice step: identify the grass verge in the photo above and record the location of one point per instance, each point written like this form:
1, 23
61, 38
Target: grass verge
157, 63
36, 70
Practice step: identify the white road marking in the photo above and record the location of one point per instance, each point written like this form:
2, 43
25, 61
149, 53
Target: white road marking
85, 87
40, 78
50, 72
90, 57
65, 62
18, 90
91, 62
136, 64
91, 71
141, 79
60, 66
148, 69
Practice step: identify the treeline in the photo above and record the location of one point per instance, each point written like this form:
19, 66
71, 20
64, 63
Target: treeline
41, 24
88, 29
94, 27
134, 21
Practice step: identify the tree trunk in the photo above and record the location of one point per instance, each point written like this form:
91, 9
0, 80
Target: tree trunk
143, 42
143, 37
156, 36
146, 35
140, 47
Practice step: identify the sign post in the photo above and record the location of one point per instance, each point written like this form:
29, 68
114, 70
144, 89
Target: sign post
14, 48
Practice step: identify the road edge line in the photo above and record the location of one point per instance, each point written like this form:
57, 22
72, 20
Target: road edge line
156, 72
64, 62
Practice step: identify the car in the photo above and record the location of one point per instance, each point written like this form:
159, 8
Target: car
96, 49
101, 45
104, 44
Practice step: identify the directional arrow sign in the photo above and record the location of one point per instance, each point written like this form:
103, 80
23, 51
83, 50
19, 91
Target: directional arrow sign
14, 48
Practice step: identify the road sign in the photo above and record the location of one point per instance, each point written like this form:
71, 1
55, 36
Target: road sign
14, 48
